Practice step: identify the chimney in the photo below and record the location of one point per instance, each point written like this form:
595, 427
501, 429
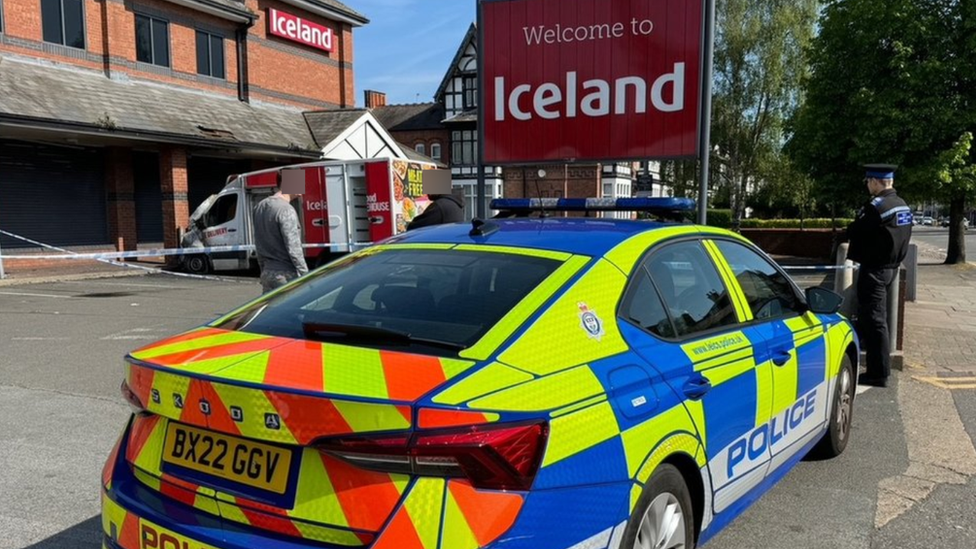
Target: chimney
375, 99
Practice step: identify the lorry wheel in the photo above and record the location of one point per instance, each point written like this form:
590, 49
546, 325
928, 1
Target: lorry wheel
197, 264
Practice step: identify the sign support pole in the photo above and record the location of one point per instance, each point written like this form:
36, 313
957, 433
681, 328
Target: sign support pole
705, 147
2, 274
480, 210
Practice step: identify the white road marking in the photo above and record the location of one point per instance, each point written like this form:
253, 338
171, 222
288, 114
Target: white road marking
861, 389
150, 286
24, 294
133, 334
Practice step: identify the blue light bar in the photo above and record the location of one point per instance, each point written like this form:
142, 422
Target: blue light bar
667, 206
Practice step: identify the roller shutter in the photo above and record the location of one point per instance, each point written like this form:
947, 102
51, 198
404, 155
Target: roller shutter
55, 195
149, 197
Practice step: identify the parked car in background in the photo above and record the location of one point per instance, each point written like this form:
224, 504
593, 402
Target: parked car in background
927, 221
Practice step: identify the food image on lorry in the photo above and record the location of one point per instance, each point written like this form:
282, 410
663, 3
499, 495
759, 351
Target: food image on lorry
408, 192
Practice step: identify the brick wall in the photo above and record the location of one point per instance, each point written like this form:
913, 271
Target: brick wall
174, 185
428, 138
279, 71
278, 67
812, 243
110, 27
120, 199
574, 182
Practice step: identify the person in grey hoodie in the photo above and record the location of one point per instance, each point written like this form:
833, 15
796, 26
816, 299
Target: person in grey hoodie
277, 240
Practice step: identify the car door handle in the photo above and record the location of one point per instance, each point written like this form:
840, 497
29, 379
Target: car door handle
697, 387
780, 358
232, 230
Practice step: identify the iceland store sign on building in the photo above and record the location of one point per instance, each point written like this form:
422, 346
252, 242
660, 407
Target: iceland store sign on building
590, 79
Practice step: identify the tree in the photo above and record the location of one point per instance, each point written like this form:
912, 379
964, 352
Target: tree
957, 177
890, 81
759, 66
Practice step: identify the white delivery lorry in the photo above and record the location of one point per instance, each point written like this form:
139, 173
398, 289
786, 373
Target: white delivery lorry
346, 204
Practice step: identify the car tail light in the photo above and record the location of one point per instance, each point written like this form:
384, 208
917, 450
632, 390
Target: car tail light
132, 399
496, 457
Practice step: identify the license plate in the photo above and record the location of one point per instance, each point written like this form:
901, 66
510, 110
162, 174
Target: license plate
243, 461
152, 536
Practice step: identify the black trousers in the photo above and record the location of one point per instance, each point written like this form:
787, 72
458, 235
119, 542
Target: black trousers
872, 318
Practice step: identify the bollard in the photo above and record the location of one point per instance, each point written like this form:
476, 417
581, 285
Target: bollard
911, 272
893, 300
2, 274
844, 281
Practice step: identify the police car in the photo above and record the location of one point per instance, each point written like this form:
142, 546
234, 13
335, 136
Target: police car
526, 383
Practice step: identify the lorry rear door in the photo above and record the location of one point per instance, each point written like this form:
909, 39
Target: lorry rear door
315, 213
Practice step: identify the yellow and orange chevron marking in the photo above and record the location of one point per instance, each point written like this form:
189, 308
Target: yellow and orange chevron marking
232, 361
472, 518
302, 365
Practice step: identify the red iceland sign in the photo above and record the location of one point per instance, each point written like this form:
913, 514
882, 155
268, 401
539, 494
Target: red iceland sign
590, 79
294, 28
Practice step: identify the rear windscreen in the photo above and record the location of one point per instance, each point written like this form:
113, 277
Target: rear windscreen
441, 296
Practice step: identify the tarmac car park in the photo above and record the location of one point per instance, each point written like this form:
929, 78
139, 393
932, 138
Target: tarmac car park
519, 383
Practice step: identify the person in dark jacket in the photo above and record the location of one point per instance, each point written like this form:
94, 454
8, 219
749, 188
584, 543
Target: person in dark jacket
879, 238
444, 207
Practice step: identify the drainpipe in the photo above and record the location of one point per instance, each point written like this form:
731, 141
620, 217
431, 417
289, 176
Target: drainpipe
243, 92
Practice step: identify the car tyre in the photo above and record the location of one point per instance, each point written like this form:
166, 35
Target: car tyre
197, 264
838, 432
664, 517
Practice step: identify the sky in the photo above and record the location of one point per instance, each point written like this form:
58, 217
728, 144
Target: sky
406, 48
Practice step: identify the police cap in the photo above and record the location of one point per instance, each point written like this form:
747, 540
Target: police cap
880, 171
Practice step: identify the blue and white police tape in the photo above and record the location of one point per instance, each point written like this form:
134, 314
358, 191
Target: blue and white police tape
151, 270
109, 258
167, 252
822, 268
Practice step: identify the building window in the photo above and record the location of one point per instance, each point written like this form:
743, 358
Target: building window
152, 40
470, 92
210, 55
63, 22
464, 148
421, 148
435, 151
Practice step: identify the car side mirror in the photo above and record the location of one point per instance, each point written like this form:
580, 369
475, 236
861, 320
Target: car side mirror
200, 224
822, 301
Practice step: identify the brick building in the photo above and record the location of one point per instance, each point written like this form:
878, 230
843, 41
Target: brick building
118, 117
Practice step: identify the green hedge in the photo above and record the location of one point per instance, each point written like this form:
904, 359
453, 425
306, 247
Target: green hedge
723, 220
720, 218
839, 223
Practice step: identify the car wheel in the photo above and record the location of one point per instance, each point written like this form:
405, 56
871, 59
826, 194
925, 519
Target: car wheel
664, 517
841, 414
197, 264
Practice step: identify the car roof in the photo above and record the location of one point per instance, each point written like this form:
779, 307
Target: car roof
592, 237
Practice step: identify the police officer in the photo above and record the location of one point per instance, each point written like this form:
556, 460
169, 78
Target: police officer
879, 239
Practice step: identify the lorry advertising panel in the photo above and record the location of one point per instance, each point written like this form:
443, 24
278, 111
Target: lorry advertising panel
394, 197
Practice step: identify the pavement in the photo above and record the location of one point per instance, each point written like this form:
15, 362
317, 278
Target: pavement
17, 275
907, 480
